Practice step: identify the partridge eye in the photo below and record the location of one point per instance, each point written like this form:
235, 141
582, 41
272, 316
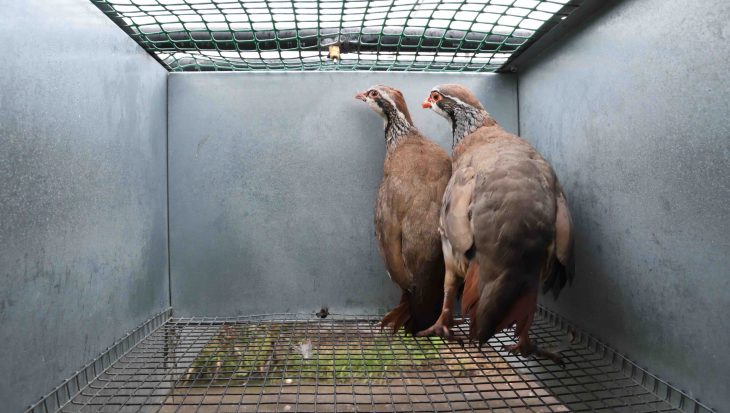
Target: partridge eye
374, 93
435, 97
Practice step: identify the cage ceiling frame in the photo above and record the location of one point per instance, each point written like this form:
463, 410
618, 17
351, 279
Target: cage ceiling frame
329, 35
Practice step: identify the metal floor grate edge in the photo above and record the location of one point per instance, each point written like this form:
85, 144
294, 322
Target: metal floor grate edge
204, 330
64, 392
669, 393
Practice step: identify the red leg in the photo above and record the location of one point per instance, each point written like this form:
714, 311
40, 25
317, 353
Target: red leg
526, 347
442, 326
523, 312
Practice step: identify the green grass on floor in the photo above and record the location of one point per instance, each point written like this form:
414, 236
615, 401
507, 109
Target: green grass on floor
255, 354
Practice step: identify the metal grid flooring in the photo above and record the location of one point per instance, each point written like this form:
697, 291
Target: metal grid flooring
302, 363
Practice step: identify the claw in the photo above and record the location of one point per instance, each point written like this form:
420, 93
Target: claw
511, 349
554, 356
527, 349
438, 329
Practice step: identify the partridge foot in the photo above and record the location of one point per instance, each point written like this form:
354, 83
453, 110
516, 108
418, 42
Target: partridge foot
526, 348
440, 328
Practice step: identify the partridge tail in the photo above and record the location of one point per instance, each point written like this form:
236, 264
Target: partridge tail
417, 310
426, 301
506, 300
398, 316
470, 296
557, 279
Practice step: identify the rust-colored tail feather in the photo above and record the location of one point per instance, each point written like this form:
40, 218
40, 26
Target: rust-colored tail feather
557, 279
470, 297
521, 314
507, 299
417, 310
399, 316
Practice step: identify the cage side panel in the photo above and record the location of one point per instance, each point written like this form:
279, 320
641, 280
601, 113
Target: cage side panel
632, 110
272, 184
82, 191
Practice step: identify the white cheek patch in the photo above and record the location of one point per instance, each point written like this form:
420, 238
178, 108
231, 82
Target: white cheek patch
441, 112
375, 107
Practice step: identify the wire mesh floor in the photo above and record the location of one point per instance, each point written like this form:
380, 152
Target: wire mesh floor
302, 363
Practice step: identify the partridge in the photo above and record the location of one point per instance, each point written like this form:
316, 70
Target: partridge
415, 174
505, 224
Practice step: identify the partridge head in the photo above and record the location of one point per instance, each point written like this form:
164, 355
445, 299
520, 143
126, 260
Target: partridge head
391, 106
460, 107
386, 102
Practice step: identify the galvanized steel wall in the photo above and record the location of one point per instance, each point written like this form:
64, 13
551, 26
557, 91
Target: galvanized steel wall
83, 250
632, 109
272, 182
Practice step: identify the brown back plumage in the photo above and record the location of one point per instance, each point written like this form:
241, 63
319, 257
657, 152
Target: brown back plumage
406, 225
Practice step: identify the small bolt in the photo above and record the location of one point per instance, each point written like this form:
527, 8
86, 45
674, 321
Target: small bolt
323, 312
334, 52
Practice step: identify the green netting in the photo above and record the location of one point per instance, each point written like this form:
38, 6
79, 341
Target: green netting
400, 35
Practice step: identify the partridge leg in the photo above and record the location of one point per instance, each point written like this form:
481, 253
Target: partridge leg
442, 326
526, 347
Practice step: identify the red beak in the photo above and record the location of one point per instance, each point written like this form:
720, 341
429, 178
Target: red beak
360, 96
427, 103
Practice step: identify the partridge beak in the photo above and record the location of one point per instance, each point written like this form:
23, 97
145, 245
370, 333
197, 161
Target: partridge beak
360, 96
426, 103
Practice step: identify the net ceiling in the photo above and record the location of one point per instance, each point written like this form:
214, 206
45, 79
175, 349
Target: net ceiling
401, 35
